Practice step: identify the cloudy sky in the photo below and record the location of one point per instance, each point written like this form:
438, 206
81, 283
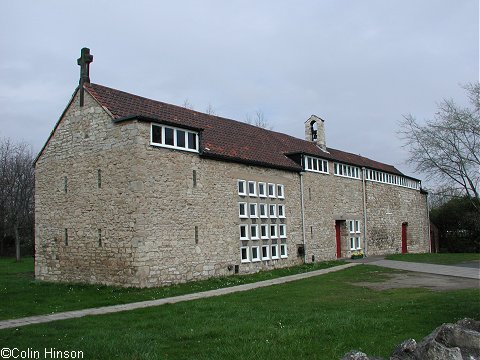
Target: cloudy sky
360, 65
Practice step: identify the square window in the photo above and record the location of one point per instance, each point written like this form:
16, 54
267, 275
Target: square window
242, 210
280, 189
244, 254
264, 231
282, 229
281, 211
180, 138
262, 189
272, 212
273, 231
252, 188
243, 232
271, 190
283, 251
254, 232
274, 251
263, 211
255, 253
169, 137
241, 187
253, 210
265, 252
156, 134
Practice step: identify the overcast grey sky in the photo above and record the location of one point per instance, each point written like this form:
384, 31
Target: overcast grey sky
360, 65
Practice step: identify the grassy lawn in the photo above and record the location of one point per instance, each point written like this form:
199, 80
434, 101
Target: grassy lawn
21, 295
317, 318
443, 258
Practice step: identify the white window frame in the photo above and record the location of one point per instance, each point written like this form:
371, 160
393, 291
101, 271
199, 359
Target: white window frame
357, 226
316, 165
358, 242
267, 257
247, 252
352, 243
257, 258
174, 146
284, 247
282, 228
271, 194
272, 248
281, 214
253, 214
351, 226
254, 193
280, 191
243, 215
243, 226
262, 186
273, 235
252, 236
267, 231
264, 207
244, 184
272, 214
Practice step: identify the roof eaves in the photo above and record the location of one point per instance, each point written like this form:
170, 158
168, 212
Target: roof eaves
156, 120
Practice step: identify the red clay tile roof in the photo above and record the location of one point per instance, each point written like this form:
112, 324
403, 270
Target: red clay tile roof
225, 138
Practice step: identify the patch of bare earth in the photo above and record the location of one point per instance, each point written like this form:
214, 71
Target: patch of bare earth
421, 280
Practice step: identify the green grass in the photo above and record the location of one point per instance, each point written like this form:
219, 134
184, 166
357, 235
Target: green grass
21, 295
442, 258
317, 318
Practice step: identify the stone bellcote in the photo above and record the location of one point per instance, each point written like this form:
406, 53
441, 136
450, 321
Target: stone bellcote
315, 131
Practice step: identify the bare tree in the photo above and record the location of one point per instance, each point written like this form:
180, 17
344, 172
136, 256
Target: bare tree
447, 148
187, 104
210, 110
17, 184
258, 119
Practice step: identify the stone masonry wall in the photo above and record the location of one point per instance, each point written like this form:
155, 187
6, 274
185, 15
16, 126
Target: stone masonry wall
84, 228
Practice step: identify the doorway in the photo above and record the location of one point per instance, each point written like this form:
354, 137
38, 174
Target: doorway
338, 236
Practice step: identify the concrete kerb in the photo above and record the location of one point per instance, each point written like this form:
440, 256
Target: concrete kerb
39, 319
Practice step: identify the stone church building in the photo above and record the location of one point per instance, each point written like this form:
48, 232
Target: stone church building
136, 192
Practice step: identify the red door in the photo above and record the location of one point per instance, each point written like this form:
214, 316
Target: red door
404, 238
339, 239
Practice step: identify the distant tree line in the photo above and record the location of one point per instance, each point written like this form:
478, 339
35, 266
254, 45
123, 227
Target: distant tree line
17, 184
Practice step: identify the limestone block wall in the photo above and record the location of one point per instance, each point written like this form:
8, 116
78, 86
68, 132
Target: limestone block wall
188, 224
328, 199
388, 207
85, 198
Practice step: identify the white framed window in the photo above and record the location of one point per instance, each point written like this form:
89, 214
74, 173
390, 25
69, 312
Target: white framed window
280, 191
316, 165
243, 232
254, 232
271, 190
283, 251
346, 171
272, 211
255, 253
265, 252
262, 189
263, 211
273, 231
173, 137
282, 230
274, 251
355, 243
351, 226
244, 254
241, 185
357, 226
253, 210
252, 188
242, 210
264, 231
281, 211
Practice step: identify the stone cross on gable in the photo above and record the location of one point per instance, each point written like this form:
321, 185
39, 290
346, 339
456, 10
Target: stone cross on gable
84, 62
